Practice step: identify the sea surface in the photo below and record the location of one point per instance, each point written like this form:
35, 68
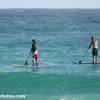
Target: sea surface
62, 36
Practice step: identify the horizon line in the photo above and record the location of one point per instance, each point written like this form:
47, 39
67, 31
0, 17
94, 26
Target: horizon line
49, 8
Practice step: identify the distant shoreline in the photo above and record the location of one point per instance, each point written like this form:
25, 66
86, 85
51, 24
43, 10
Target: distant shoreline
49, 8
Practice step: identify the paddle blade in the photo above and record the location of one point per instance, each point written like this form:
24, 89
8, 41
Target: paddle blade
26, 63
80, 62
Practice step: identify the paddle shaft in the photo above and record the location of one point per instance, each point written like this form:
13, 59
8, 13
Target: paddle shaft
27, 58
84, 55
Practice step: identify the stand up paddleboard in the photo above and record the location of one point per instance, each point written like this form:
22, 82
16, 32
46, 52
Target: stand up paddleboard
22, 66
18, 65
77, 62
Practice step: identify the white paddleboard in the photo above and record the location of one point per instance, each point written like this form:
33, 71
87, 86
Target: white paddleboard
18, 65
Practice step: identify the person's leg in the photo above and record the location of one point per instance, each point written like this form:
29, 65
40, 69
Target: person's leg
36, 59
96, 59
93, 59
94, 55
36, 63
33, 62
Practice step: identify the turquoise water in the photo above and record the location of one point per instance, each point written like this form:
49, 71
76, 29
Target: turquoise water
50, 86
62, 36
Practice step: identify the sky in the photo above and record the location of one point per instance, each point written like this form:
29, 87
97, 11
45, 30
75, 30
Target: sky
49, 3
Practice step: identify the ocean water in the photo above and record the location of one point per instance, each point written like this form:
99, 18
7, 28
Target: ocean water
62, 36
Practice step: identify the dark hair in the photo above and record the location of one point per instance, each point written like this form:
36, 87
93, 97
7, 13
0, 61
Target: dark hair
92, 37
33, 40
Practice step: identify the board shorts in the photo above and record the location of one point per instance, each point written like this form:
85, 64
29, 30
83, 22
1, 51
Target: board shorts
94, 52
35, 56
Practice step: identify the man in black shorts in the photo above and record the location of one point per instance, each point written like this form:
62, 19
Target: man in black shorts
94, 45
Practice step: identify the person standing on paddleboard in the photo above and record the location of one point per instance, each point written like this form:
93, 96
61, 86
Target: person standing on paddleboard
34, 52
94, 45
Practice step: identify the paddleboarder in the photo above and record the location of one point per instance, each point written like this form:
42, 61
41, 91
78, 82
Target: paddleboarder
34, 52
94, 45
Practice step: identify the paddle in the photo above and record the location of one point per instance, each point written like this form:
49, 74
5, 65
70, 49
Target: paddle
26, 62
84, 55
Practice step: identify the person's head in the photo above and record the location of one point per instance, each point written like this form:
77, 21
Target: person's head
93, 38
33, 40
